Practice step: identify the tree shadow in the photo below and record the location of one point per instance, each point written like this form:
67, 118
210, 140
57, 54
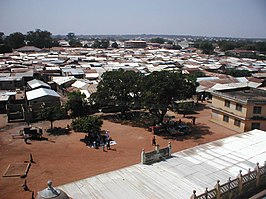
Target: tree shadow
39, 139
198, 131
201, 107
56, 131
133, 118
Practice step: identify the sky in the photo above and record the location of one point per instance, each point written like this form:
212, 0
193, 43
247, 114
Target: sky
224, 18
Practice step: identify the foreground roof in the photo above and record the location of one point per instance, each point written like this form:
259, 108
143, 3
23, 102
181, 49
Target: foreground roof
195, 168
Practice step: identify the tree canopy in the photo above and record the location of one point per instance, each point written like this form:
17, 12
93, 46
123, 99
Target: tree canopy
41, 39
16, 40
157, 40
118, 88
237, 73
155, 92
51, 114
206, 46
160, 89
104, 43
114, 45
244, 45
87, 124
73, 41
77, 104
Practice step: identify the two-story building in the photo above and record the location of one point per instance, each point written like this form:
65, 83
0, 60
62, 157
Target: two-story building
241, 109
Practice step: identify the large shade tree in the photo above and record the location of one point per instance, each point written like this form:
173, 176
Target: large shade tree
87, 124
51, 114
77, 104
119, 88
161, 89
16, 40
41, 39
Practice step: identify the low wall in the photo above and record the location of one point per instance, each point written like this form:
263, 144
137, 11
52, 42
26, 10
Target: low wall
156, 155
237, 188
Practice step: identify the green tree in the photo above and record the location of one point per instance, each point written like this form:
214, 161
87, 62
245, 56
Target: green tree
41, 39
2, 37
96, 44
177, 47
227, 45
51, 114
198, 74
206, 46
237, 73
114, 45
73, 41
104, 43
16, 40
71, 36
4, 47
119, 88
161, 89
87, 124
77, 104
157, 40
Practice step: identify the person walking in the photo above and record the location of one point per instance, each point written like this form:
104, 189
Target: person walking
193, 120
153, 141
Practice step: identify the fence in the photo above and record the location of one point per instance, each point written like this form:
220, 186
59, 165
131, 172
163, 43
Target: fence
156, 155
237, 188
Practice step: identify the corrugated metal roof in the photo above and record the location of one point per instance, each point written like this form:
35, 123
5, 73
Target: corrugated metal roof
35, 83
41, 92
4, 95
62, 80
175, 178
78, 84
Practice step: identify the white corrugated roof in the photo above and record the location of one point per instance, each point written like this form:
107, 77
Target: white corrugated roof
37, 83
40, 92
78, 84
234, 85
92, 75
61, 80
176, 178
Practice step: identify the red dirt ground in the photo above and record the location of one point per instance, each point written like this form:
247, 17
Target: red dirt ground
65, 159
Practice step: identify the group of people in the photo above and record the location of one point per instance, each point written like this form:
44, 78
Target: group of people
98, 140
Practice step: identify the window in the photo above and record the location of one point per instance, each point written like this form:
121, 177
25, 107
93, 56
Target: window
255, 126
257, 110
226, 118
227, 103
237, 122
238, 107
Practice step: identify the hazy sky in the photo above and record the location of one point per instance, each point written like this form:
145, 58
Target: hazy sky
229, 18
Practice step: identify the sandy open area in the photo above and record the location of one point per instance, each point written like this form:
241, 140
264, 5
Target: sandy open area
65, 158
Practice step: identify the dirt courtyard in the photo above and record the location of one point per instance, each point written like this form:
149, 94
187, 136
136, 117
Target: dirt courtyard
65, 158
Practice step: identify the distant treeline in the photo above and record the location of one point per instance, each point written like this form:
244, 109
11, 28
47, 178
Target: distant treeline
242, 45
37, 38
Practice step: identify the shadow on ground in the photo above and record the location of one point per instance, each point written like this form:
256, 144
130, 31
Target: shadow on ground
134, 118
198, 131
58, 131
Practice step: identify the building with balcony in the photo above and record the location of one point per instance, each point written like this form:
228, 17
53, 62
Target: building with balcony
241, 109
135, 44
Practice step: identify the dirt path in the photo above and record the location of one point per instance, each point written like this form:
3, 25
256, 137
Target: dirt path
65, 159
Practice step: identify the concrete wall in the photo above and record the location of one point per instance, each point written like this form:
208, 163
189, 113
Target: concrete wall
219, 102
245, 116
